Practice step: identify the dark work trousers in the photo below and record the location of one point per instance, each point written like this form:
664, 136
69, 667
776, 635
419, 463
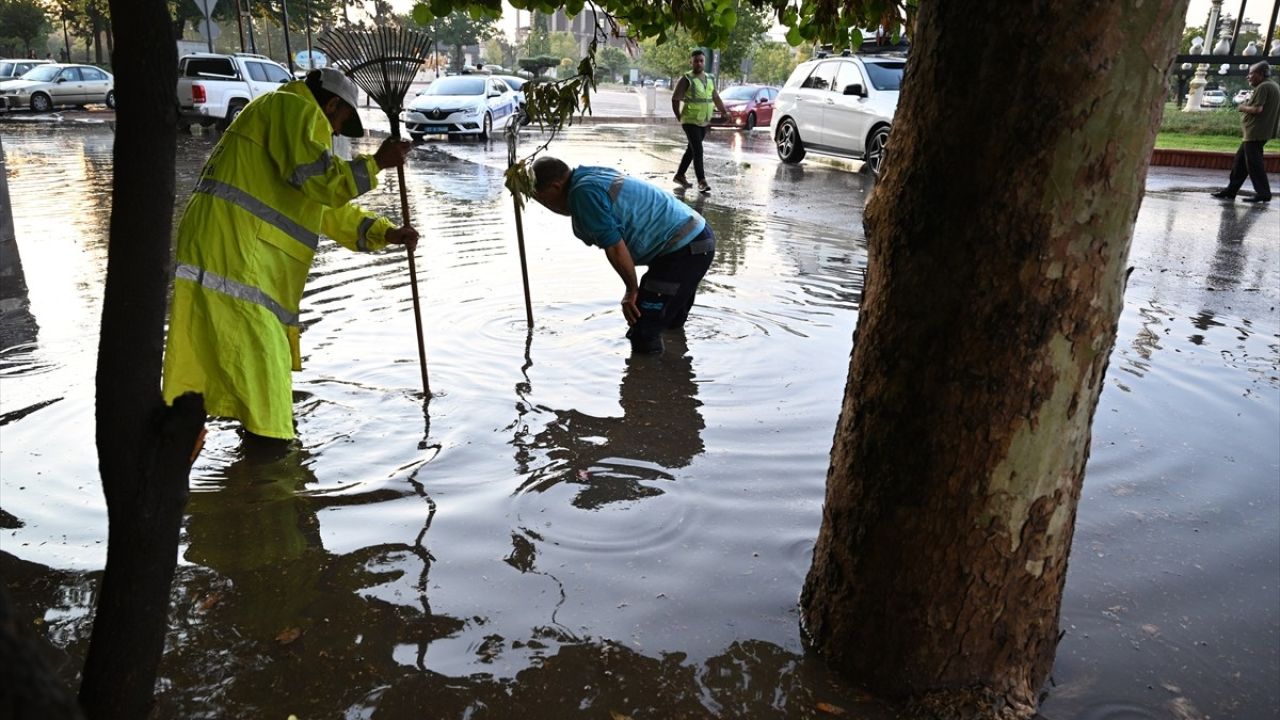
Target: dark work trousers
667, 291
1249, 164
693, 151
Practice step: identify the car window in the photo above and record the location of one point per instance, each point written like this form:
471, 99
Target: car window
822, 77
456, 86
8, 70
514, 83
848, 75
275, 73
498, 86
89, 73
886, 75
210, 67
257, 71
41, 73
70, 74
738, 93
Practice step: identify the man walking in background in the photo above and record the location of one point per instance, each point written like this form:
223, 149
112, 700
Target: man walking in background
1260, 121
696, 91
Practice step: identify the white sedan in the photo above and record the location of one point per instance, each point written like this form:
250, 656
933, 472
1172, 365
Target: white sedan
461, 105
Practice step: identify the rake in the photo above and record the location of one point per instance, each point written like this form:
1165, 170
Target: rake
383, 62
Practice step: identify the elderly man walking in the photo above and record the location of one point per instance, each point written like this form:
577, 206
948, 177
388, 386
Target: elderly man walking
1260, 120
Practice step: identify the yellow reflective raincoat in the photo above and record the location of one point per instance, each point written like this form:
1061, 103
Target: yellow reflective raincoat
245, 243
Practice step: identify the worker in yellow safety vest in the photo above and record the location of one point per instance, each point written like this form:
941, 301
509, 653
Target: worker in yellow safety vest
696, 91
271, 187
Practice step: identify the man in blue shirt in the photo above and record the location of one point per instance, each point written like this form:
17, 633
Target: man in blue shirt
635, 223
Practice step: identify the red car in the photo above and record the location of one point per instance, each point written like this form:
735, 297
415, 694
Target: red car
748, 106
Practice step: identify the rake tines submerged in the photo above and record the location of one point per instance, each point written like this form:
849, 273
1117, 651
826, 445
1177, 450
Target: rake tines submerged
383, 62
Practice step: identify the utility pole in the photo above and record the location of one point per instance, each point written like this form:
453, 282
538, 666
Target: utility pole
288, 51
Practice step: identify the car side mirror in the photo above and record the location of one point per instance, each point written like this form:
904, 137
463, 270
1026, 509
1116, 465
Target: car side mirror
61, 80
855, 89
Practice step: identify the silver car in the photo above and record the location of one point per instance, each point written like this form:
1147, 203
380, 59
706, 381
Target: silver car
840, 106
55, 84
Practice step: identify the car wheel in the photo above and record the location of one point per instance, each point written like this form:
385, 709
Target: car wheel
233, 112
111, 99
751, 121
877, 144
41, 103
790, 148
486, 127
416, 137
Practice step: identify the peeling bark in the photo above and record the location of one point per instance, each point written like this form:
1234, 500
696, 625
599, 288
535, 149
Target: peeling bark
997, 243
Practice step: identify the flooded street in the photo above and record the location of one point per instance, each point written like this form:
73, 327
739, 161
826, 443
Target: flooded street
572, 531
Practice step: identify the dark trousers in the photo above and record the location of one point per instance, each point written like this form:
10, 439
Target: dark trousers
668, 288
1249, 164
693, 151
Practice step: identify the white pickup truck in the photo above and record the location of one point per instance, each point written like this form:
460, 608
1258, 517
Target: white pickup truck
213, 89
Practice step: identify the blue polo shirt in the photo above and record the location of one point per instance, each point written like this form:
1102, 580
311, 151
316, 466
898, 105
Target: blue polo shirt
606, 207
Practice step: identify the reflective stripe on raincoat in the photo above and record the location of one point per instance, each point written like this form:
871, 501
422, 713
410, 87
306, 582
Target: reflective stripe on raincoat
245, 243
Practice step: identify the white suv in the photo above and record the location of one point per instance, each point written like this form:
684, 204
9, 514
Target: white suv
839, 106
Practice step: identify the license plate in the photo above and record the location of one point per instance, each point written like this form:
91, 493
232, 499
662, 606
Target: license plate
435, 128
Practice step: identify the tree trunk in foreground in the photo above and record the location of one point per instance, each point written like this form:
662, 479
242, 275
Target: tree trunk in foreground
144, 447
997, 244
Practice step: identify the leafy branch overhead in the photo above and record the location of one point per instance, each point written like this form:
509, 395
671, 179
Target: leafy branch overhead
710, 22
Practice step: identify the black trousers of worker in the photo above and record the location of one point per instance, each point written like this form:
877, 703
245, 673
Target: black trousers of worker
667, 291
693, 151
1249, 164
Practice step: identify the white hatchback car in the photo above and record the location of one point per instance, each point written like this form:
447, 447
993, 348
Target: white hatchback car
1214, 99
461, 105
840, 106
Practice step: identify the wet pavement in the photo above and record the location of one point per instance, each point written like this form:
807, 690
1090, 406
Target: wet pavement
587, 532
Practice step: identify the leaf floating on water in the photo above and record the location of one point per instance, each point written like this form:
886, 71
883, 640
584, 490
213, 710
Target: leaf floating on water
210, 600
830, 709
287, 636
618, 716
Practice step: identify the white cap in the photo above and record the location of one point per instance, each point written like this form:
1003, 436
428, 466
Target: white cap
334, 81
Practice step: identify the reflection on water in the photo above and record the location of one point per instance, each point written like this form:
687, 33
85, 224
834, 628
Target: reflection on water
582, 532
621, 459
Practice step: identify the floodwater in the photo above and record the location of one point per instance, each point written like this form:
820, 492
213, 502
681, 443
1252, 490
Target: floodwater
572, 532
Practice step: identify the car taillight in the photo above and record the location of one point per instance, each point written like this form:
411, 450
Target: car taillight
197, 94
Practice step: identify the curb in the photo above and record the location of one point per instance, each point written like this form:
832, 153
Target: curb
1206, 160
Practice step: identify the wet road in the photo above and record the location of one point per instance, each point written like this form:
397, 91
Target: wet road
589, 532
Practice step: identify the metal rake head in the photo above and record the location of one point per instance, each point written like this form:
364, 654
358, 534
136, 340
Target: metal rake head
383, 62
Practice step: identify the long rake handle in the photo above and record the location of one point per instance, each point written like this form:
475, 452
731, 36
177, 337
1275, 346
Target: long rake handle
413, 285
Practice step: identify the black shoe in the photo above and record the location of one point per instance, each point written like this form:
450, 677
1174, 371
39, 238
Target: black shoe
1224, 195
1258, 199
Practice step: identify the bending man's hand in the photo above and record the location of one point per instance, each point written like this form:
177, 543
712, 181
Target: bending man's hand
405, 236
392, 153
629, 308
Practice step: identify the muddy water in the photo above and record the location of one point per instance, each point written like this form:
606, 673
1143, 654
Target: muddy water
570, 531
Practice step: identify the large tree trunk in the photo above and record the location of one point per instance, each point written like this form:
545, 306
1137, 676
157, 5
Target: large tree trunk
997, 244
144, 447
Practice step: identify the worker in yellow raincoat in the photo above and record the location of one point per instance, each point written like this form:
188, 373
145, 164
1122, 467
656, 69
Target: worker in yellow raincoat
271, 187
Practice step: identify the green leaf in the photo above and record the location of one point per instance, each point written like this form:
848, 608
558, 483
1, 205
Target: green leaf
422, 14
